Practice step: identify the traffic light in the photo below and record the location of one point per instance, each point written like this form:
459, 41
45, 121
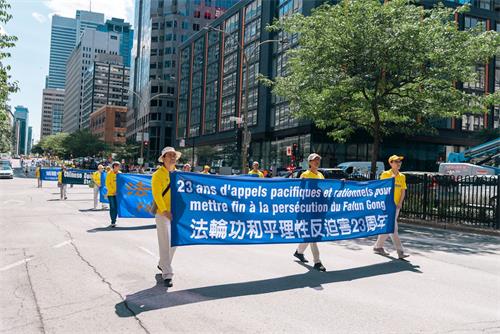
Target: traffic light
146, 143
295, 151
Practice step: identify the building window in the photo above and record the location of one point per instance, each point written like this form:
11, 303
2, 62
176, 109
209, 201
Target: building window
197, 14
196, 27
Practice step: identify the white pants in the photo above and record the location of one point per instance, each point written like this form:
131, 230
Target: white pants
164, 244
394, 236
63, 191
314, 249
96, 196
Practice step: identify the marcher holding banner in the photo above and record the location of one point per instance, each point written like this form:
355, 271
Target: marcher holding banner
96, 178
255, 170
186, 168
160, 184
206, 169
312, 173
111, 186
38, 176
399, 196
60, 184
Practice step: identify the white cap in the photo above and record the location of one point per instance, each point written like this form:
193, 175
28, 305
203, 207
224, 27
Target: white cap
255, 163
313, 156
169, 149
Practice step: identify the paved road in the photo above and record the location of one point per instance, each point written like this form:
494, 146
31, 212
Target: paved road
63, 271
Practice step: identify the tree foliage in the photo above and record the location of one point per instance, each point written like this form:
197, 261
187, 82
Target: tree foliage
381, 67
82, 143
6, 85
54, 145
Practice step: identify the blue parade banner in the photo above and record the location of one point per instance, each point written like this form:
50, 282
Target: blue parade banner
228, 210
49, 174
134, 195
103, 191
77, 176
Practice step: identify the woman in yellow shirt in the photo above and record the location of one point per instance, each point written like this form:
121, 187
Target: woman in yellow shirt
312, 173
160, 184
111, 187
96, 177
399, 196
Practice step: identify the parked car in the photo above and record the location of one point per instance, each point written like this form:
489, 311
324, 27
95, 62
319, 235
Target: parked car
360, 169
6, 171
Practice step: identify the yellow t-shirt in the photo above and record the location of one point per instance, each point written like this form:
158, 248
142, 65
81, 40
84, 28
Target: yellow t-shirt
96, 176
399, 183
258, 172
59, 177
159, 182
310, 175
37, 172
111, 183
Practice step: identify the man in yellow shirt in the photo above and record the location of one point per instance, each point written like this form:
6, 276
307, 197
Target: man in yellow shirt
399, 195
60, 184
38, 176
314, 160
160, 184
111, 187
96, 177
255, 170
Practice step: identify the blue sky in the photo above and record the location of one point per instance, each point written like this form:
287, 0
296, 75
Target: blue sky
30, 58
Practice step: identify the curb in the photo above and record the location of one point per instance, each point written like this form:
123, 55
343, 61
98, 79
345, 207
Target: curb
450, 226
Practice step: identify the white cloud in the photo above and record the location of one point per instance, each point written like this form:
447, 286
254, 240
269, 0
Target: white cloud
123, 9
39, 17
2, 30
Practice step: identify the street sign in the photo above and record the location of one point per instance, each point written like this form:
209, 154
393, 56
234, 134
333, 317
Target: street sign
140, 135
140, 161
289, 151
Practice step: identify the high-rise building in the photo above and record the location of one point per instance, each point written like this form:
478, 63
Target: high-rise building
160, 27
212, 85
62, 43
29, 141
52, 108
106, 82
92, 43
87, 20
21, 116
126, 36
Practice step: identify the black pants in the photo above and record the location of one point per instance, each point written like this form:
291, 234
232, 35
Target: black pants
113, 208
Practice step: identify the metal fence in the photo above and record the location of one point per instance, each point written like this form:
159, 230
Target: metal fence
464, 200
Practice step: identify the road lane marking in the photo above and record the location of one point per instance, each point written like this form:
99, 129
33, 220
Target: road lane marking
148, 251
15, 264
64, 243
14, 201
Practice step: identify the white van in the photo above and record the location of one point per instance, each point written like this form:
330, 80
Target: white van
464, 169
361, 168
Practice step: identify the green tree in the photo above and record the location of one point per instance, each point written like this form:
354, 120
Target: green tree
6, 85
381, 67
129, 151
83, 144
54, 144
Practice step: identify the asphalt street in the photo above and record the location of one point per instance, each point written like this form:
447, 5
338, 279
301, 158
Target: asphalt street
62, 270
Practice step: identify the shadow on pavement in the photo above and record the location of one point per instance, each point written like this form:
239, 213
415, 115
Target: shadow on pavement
119, 228
92, 210
68, 200
423, 239
157, 296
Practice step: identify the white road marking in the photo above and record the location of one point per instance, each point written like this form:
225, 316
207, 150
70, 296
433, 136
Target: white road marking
14, 201
149, 252
64, 243
15, 264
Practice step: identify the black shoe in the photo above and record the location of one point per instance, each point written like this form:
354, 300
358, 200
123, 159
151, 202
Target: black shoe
159, 268
113, 225
300, 257
168, 283
318, 266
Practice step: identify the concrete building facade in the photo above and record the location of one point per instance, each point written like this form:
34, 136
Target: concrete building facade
105, 83
91, 44
52, 108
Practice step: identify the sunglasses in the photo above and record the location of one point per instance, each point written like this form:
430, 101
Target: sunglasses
396, 161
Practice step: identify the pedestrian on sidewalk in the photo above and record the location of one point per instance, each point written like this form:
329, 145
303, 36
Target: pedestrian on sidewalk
111, 186
255, 170
399, 195
38, 175
162, 208
314, 160
62, 186
96, 177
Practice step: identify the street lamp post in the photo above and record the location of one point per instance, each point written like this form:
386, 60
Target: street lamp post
246, 137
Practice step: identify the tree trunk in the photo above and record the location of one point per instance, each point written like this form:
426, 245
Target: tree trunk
376, 142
